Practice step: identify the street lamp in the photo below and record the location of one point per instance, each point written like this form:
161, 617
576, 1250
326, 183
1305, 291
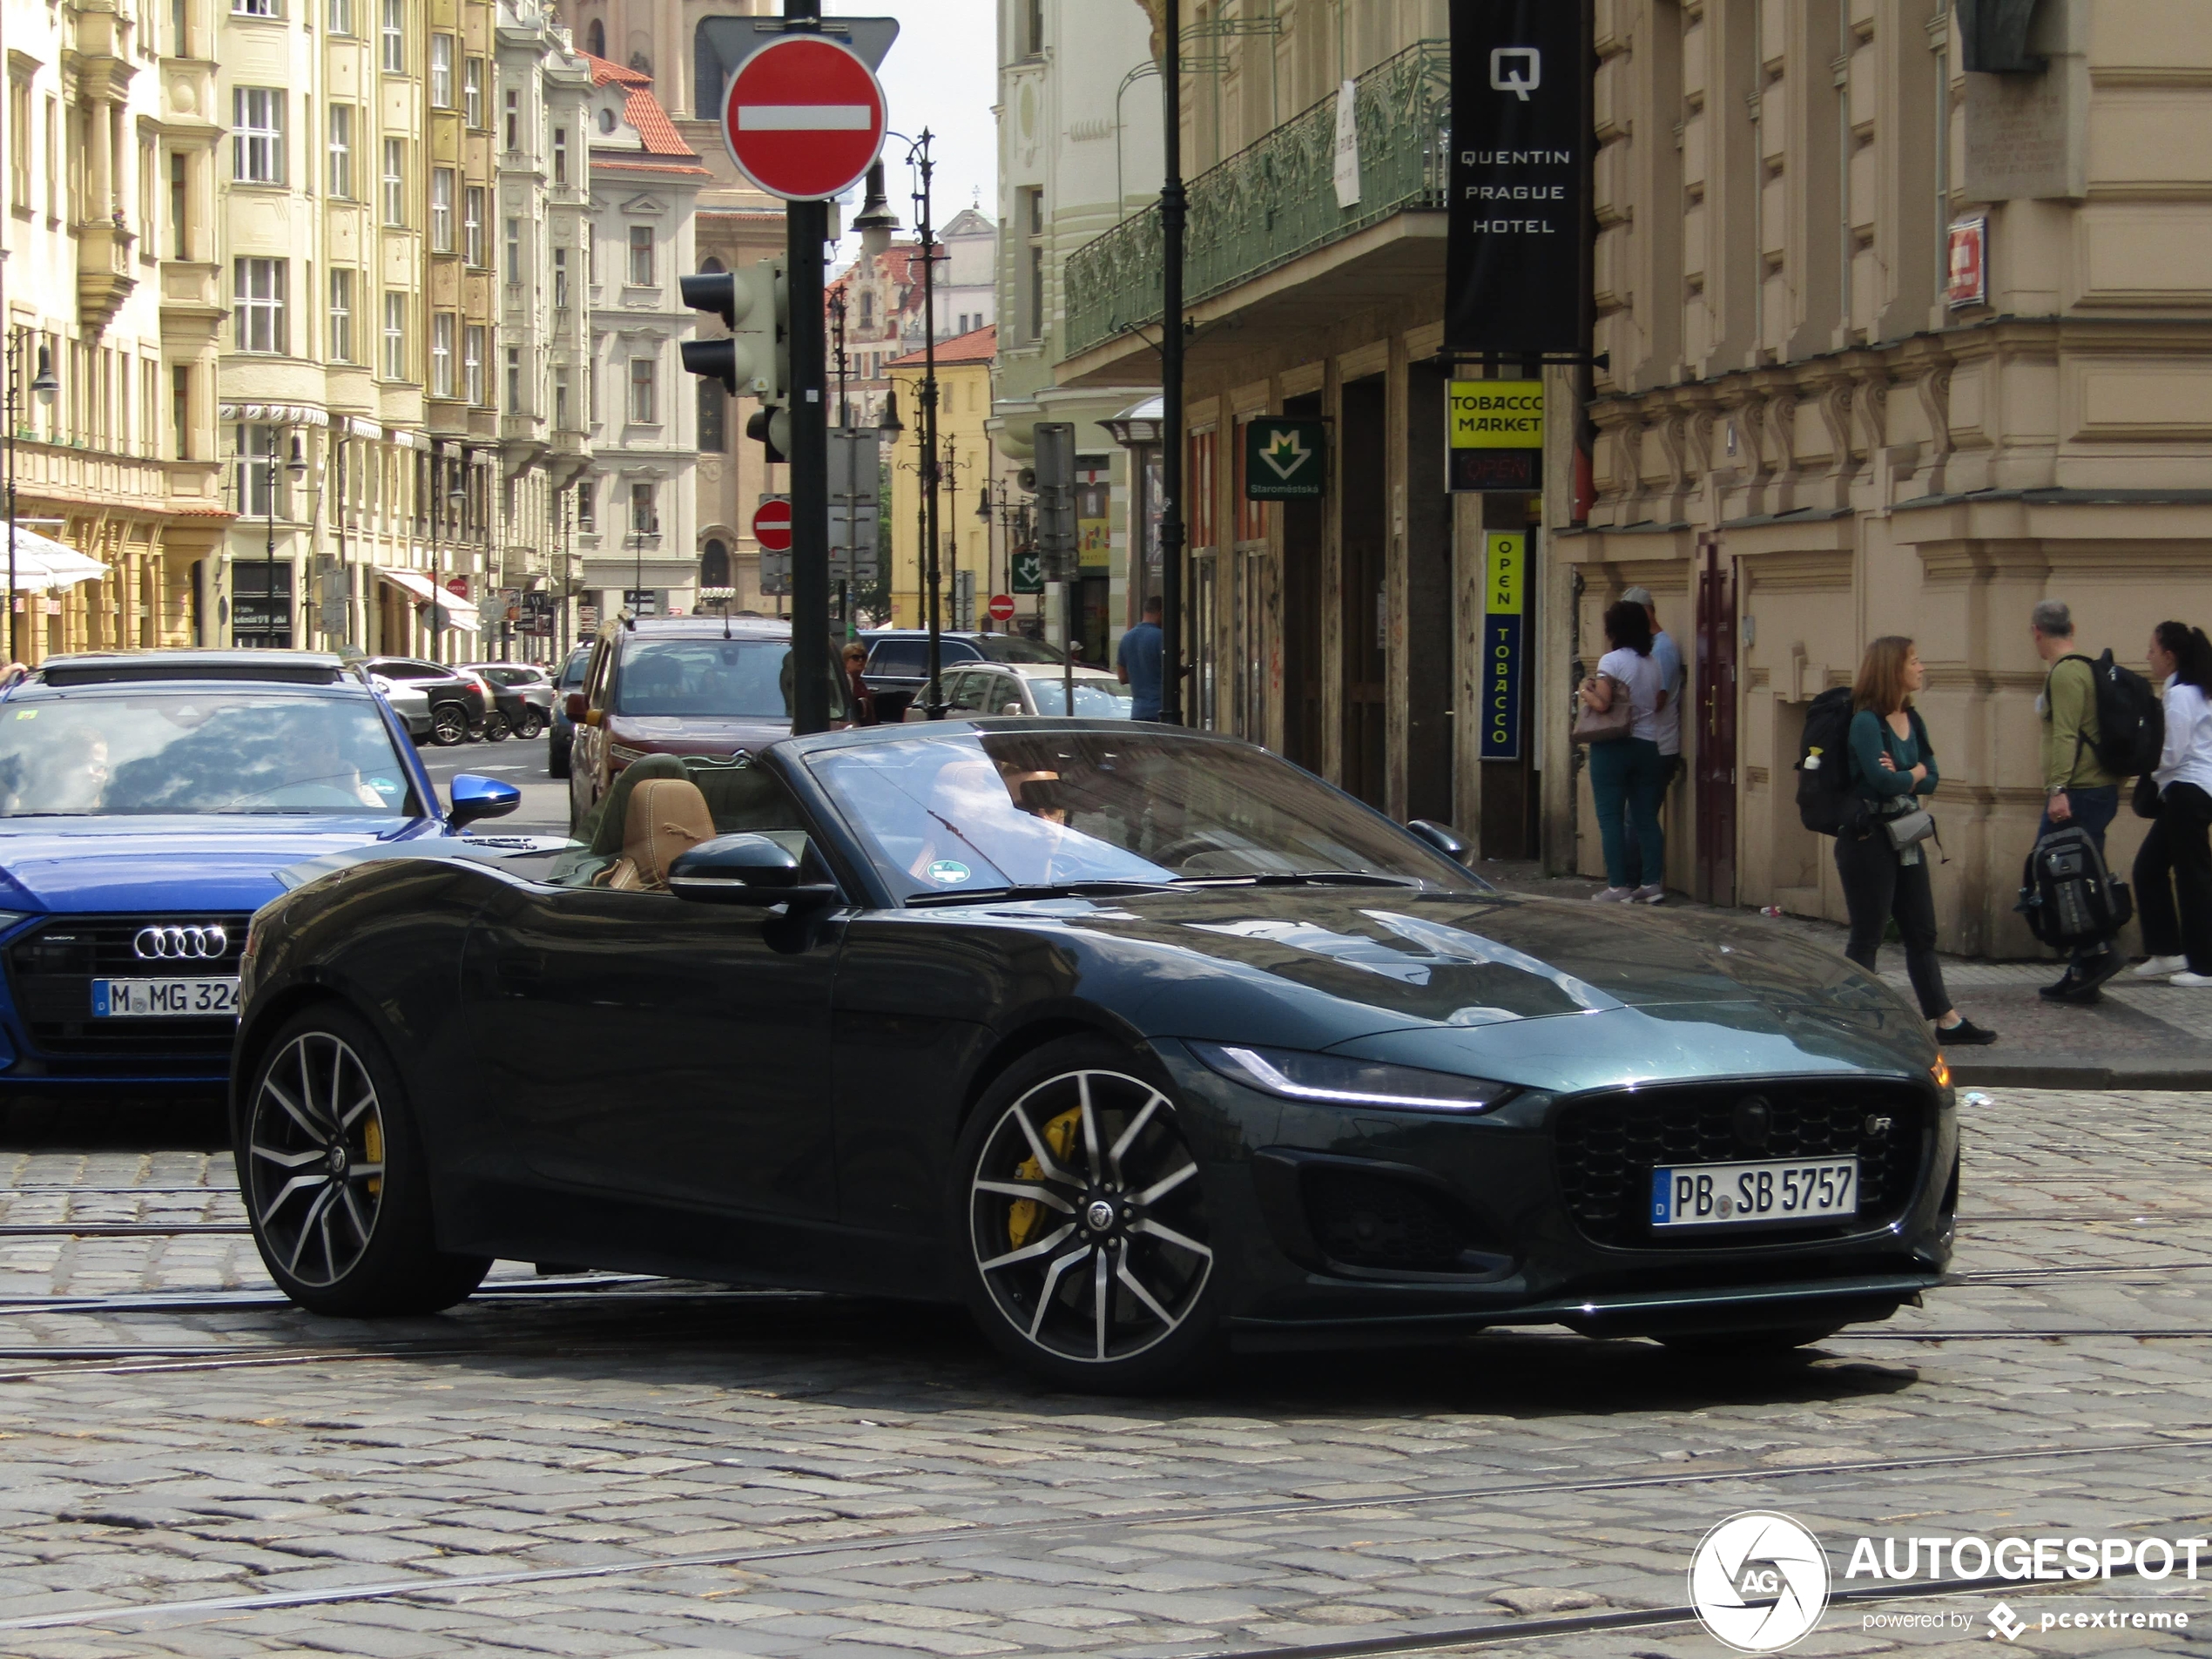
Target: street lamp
46, 386
1137, 428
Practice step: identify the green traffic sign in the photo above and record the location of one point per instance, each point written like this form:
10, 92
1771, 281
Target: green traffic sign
1029, 573
1285, 460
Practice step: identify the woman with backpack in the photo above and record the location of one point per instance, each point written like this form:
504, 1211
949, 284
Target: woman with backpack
1628, 774
1881, 861
2176, 857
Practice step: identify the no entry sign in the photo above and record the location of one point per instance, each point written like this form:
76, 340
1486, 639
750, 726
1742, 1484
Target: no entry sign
772, 524
804, 117
1003, 607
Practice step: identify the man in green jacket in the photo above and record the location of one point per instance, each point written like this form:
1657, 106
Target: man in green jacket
2077, 790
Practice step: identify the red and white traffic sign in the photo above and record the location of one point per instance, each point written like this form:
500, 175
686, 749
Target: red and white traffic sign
804, 117
772, 524
1001, 607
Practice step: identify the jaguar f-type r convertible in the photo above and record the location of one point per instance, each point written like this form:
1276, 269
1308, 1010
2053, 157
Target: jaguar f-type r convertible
1141, 1042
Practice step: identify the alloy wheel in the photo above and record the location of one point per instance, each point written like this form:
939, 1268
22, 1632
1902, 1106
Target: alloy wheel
1086, 1218
317, 1157
448, 725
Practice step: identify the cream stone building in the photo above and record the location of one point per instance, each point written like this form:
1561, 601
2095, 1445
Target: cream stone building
110, 313
1808, 435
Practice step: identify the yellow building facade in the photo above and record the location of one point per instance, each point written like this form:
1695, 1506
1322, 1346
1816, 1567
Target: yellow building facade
972, 560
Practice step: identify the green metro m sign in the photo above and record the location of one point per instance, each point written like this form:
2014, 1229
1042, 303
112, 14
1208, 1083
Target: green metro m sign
1285, 460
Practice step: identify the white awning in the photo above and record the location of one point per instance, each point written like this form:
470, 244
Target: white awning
459, 613
40, 562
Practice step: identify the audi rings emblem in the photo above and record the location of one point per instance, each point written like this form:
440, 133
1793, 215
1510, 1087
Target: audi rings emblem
179, 944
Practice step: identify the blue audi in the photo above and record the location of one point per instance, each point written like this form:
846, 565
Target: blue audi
147, 802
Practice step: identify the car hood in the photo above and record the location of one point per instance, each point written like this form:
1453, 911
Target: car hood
694, 733
1531, 989
77, 864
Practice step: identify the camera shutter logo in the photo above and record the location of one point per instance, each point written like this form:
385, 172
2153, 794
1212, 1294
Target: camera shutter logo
1759, 1582
179, 944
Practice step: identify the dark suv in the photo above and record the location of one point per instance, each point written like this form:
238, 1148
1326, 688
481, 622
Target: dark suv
458, 699
898, 667
681, 686
562, 732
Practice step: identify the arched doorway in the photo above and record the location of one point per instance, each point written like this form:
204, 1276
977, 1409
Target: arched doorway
714, 565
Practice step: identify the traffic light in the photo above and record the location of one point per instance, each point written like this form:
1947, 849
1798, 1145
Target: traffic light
755, 360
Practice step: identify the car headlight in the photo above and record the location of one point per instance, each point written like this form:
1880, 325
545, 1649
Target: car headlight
10, 918
624, 754
1337, 1080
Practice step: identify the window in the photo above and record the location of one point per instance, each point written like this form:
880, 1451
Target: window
560, 155
514, 119
179, 204
440, 210
254, 8
645, 516
19, 142
472, 226
442, 72
341, 316
395, 36
257, 135
259, 304
180, 410
442, 326
260, 479
514, 250
513, 382
586, 518
395, 181
714, 417
595, 39
341, 17
644, 405
473, 344
396, 336
560, 279
1032, 211
341, 151
641, 255
179, 32
472, 92
561, 400
1033, 27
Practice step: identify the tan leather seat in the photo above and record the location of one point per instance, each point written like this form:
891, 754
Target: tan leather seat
667, 817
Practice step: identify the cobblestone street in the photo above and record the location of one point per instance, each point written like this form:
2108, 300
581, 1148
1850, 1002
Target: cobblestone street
606, 1466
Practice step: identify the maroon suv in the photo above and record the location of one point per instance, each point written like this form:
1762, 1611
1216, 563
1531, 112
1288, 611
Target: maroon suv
681, 686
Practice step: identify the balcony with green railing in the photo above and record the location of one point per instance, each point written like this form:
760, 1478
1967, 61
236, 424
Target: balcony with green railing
1276, 201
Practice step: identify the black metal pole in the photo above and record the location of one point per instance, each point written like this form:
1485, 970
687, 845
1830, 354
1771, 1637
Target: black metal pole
268, 554
934, 693
806, 227
1173, 206
15, 351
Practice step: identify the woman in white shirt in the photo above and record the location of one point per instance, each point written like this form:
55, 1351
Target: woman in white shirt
1628, 775
2176, 862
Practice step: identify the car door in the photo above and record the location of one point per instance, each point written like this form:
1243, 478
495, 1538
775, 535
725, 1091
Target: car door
664, 1049
587, 755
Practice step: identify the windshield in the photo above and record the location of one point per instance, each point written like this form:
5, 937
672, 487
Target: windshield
1015, 648
139, 753
1096, 698
961, 810
739, 679
572, 670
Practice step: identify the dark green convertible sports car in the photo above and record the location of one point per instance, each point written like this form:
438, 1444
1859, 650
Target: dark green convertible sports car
1140, 1042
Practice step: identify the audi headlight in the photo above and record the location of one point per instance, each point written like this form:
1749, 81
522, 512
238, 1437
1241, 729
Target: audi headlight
1339, 1081
10, 918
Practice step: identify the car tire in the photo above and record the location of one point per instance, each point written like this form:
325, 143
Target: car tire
336, 1184
449, 724
496, 727
1766, 1342
1046, 1224
556, 759
533, 723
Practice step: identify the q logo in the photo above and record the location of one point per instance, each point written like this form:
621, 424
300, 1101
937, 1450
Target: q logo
1759, 1582
1518, 69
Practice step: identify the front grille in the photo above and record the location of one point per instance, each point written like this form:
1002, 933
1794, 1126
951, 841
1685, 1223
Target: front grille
1605, 1148
1365, 1220
50, 970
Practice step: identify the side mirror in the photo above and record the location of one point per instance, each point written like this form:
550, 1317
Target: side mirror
746, 870
572, 705
1440, 837
1011, 708
475, 797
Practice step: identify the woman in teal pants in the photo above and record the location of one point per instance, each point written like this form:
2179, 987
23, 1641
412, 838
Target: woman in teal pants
1628, 775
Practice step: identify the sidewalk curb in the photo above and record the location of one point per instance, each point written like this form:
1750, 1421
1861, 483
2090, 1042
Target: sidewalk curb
2064, 1071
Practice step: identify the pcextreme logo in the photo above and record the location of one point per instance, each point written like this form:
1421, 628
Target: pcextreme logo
1759, 1582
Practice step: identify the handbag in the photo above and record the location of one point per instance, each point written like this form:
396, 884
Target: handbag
1604, 725
1910, 829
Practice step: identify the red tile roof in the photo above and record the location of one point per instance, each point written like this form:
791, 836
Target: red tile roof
976, 345
642, 110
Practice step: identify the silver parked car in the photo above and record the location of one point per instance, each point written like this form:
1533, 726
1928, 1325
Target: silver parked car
410, 702
522, 693
1029, 688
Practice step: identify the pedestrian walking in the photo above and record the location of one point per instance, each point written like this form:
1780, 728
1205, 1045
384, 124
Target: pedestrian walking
1137, 665
856, 659
2077, 789
2174, 869
1884, 873
1668, 654
1628, 774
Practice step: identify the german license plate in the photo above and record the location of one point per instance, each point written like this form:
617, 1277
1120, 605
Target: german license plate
156, 999
1767, 1193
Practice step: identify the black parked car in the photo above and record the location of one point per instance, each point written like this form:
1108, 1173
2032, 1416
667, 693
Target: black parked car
561, 733
459, 700
897, 665
1139, 1041
522, 695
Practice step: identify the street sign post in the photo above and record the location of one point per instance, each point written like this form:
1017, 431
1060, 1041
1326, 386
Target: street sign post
772, 524
804, 117
1002, 607
1027, 570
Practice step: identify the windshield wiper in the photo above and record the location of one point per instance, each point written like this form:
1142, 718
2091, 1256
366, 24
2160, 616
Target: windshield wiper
1308, 878
1022, 891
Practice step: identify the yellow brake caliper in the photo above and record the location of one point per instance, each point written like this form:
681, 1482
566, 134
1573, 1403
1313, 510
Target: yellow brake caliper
372, 1147
1022, 1216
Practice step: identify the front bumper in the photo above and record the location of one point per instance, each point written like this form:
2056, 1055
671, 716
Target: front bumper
1522, 1254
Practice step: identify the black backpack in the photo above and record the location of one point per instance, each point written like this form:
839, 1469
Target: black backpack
2131, 721
1826, 802
2067, 895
